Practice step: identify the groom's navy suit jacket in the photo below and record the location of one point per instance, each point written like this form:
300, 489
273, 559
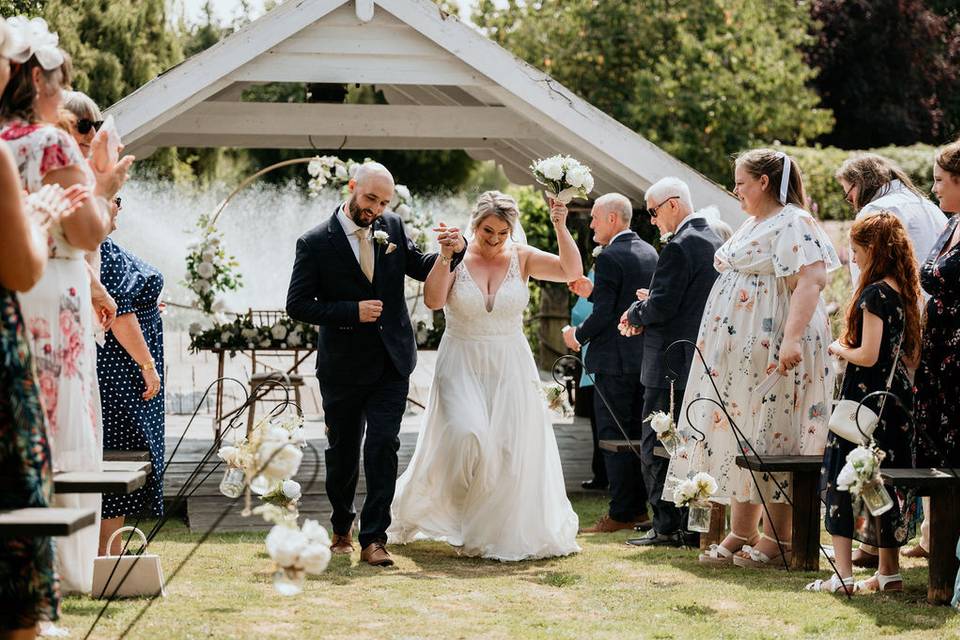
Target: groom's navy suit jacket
327, 284
624, 265
681, 284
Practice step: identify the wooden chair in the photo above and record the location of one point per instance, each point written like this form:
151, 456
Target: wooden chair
268, 382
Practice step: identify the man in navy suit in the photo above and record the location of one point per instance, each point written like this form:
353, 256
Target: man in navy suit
348, 278
625, 264
670, 310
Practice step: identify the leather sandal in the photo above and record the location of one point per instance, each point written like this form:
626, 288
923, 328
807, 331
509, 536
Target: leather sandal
752, 558
833, 585
884, 583
720, 556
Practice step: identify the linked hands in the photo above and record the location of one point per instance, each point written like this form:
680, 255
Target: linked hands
450, 240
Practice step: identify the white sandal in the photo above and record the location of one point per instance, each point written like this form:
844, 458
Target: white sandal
756, 559
884, 583
833, 585
719, 556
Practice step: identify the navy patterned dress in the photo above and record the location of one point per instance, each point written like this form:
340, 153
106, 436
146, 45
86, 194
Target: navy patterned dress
893, 435
937, 403
129, 422
29, 589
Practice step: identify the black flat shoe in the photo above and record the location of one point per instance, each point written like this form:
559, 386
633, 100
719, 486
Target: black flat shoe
594, 485
654, 539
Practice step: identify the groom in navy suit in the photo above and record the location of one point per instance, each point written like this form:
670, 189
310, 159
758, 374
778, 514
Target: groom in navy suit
625, 264
348, 278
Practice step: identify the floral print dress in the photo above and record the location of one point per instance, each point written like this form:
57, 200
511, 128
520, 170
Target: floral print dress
740, 336
893, 434
937, 402
29, 589
59, 319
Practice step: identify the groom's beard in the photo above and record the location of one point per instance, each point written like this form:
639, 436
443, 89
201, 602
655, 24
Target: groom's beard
360, 216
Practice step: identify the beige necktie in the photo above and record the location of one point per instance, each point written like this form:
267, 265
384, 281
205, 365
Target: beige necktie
366, 252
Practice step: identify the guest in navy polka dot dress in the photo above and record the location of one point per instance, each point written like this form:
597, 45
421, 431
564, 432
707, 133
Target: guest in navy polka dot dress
130, 370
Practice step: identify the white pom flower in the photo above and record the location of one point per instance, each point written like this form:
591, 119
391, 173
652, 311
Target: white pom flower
403, 211
661, 422
294, 339
402, 192
205, 270
219, 305
278, 331
551, 168
284, 464
705, 484
381, 236
285, 544
597, 250
264, 343
578, 176
341, 172
230, 455
291, 489
846, 478
195, 329
226, 335
315, 533
202, 286
315, 558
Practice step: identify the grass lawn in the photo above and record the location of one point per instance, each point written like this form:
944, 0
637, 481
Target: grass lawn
610, 590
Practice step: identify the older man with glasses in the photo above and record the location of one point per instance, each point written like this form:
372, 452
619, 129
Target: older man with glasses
670, 310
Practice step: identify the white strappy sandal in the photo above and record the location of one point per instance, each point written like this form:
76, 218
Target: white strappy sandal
833, 585
884, 583
719, 556
756, 559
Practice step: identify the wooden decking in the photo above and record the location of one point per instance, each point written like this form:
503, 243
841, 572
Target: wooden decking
205, 502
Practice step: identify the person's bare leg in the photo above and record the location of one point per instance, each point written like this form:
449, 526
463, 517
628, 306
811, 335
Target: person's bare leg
744, 518
843, 555
107, 527
777, 524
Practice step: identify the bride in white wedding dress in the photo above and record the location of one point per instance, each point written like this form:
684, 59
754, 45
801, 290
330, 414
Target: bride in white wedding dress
486, 472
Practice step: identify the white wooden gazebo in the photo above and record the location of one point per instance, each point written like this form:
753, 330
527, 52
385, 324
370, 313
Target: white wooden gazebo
448, 87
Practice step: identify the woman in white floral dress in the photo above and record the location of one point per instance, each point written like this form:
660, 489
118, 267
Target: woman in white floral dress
764, 322
58, 312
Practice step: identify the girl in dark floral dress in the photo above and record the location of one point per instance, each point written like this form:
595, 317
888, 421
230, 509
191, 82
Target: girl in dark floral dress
882, 333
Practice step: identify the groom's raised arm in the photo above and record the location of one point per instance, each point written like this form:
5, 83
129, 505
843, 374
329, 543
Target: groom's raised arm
302, 302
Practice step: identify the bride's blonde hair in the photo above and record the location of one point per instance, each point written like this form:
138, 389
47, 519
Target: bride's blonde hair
495, 203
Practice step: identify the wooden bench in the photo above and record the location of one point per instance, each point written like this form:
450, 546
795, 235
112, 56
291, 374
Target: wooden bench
116, 455
619, 446
805, 472
44, 521
944, 491
121, 482
127, 465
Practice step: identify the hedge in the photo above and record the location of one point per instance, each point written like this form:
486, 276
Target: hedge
819, 164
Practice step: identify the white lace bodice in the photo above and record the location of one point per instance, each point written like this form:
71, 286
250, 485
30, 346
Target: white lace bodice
467, 312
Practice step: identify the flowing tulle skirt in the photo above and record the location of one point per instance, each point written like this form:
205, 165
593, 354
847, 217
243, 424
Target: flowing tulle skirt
486, 472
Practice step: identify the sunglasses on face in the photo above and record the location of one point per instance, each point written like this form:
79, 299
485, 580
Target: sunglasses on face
84, 125
653, 212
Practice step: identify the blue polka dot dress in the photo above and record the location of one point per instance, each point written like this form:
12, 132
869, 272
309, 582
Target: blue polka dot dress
129, 422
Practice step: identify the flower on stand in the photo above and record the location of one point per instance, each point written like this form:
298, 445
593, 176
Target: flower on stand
210, 270
557, 400
240, 334
861, 477
696, 489
297, 551
666, 429
564, 177
322, 170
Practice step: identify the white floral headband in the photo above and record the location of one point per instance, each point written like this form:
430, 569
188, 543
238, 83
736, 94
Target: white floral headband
785, 178
33, 38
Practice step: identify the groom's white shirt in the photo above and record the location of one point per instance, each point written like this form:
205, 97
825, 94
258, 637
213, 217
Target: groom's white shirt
350, 228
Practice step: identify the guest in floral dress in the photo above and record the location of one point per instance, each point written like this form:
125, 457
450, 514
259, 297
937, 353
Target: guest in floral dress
58, 311
937, 407
882, 337
764, 317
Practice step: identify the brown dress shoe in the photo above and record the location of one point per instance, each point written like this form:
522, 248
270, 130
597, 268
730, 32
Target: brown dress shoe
863, 559
915, 552
341, 544
606, 524
376, 554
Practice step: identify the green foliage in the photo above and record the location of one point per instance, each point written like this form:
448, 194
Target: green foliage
702, 80
819, 164
30, 8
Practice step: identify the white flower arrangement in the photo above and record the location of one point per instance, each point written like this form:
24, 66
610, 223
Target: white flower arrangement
564, 177
557, 400
322, 170
861, 469
661, 422
298, 550
696, 489
210, 270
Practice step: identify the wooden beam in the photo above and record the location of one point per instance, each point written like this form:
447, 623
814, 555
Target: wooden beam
362, 120
120, 482
44, 521
301, 141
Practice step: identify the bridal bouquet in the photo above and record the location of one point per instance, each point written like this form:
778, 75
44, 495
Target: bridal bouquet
297, 551
666, 429
861, 477
564, 177
694, 493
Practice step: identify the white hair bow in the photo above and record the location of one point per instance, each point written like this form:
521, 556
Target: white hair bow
785, 178
34, 38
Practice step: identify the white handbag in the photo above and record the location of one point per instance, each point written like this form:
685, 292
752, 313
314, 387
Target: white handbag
136, 575
845, 417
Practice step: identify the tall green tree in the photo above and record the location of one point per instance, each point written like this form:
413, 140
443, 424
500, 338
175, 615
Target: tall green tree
703, 79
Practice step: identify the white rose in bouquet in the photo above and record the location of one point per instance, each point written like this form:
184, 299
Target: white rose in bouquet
564, 177
551, 168
291, 489
294, 339
285, 544
861, 458
661, 422
578, 175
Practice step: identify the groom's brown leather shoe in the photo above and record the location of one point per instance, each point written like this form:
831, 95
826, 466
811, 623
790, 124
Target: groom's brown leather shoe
606, 524
376, 554
341, 544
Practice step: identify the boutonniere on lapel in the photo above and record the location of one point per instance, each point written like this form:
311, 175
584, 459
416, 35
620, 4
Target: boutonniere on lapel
383, 239
665, 238
597, 250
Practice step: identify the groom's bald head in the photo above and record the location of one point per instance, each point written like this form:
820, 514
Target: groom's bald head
371, 190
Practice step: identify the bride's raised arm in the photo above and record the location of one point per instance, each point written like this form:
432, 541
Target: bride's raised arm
566, 267
437, 286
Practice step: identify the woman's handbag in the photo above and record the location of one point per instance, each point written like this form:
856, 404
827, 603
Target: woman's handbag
132, 575
848, 413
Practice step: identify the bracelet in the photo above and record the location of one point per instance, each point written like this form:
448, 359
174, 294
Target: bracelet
444, 259
148, 365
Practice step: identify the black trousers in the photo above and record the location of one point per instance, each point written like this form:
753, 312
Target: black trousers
628, 495
349, 410
667, 518
584, 407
